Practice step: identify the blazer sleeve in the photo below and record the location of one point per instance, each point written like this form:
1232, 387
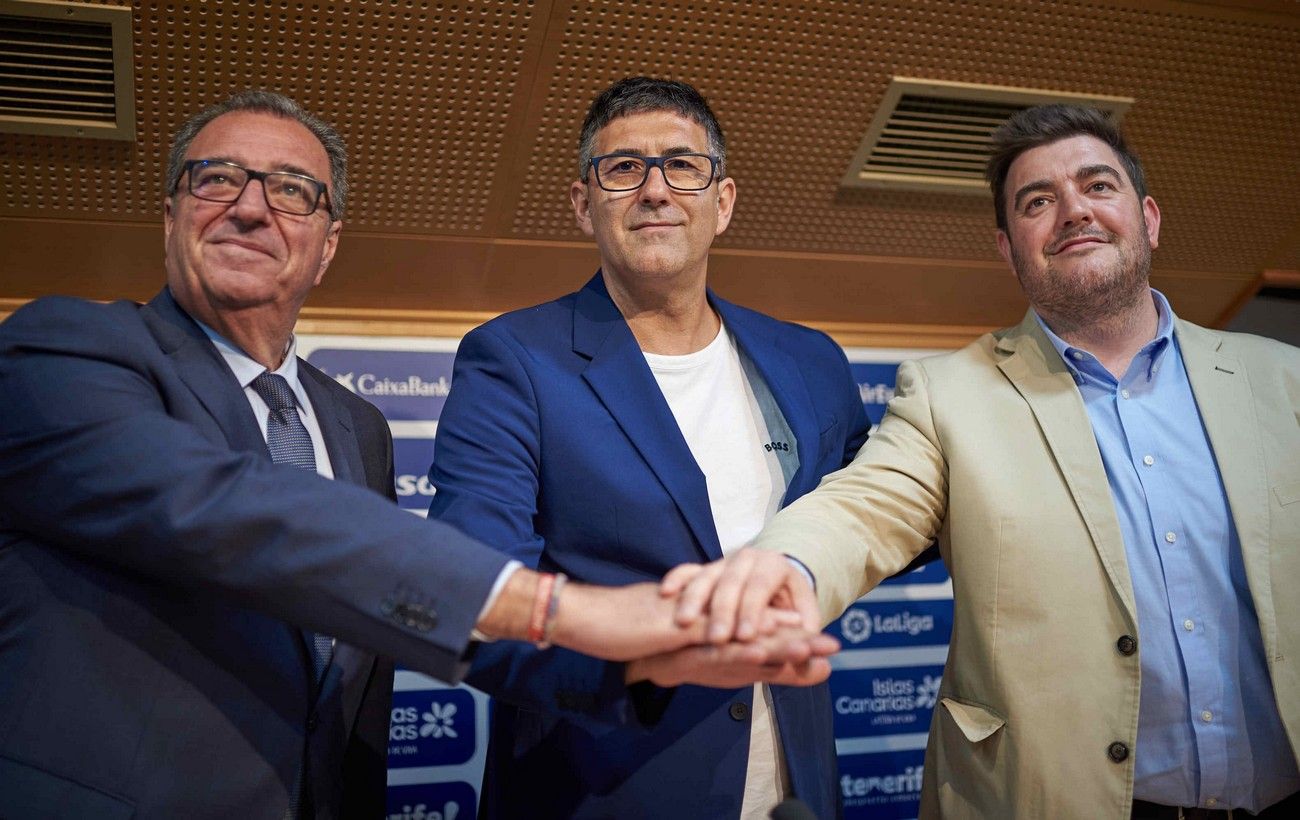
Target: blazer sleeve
105, 454
486, 474
865, 522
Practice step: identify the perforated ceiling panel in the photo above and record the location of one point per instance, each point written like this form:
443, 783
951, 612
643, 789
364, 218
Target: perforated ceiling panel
420, 91
795, 90
462, 117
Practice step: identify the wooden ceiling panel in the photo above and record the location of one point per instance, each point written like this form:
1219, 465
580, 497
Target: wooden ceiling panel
462, 119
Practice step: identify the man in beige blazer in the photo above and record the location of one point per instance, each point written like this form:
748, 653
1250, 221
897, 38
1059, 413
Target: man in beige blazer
1116, 493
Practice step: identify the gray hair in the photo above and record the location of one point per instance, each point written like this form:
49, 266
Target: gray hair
266, 102
634, 95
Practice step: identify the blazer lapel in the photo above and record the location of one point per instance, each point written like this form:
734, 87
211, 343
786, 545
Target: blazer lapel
335, 423
618, 374
201, 367
781, 373
1227, 407
1041, 378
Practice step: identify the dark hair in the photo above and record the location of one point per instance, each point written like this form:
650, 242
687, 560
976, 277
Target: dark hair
1045, 124
633, 95
266, 102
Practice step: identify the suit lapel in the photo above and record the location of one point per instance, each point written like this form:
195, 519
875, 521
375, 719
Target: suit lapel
1041, 378
618, 374
335, 426
781, 373
1227, 407
201, 367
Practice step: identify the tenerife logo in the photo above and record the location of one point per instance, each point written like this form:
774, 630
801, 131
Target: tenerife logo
449, 811
431, 728
453, 800
875, 393
906, 782
858, 625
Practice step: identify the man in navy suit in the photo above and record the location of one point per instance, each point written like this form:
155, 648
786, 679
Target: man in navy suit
617, 432
193, 620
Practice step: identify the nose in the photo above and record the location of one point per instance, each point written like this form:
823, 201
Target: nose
250, 208
655, 188
1075, 209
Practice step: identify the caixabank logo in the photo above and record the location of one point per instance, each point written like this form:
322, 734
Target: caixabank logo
882, 785
431, 728
432, 801
870, 625
873, 702
406, 385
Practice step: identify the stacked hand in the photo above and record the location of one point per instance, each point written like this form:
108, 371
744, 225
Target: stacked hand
737, 621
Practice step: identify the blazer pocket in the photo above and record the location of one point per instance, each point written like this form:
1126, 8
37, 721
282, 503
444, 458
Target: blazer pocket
975, 722
1287, 493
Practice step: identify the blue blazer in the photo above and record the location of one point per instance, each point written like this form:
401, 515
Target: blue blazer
557, 445
157, 573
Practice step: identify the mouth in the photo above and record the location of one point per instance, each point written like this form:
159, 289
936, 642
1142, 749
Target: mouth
1075, 243
653, 225
245, 245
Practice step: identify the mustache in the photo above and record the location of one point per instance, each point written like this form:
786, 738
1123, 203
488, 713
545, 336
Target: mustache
1066, 239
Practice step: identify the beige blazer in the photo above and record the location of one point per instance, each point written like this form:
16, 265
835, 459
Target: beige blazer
989, 449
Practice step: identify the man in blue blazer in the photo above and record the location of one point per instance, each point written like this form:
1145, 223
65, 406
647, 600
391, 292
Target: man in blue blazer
192, 620
614, 433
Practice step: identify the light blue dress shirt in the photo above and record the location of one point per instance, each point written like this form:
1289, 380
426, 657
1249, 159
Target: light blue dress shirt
1209, 733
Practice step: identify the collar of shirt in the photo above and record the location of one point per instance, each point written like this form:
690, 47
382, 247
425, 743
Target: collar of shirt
246, 368
1084, 366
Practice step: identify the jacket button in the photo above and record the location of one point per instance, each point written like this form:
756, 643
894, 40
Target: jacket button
313, 720
1118, 752
1126, 645
738, 711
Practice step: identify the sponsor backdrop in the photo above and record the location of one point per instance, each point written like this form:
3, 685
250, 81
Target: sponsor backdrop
883, 689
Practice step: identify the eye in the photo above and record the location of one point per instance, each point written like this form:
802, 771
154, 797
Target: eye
1100, 185
1036, 203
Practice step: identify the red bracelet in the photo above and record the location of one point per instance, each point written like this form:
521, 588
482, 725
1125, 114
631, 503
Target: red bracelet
541, 600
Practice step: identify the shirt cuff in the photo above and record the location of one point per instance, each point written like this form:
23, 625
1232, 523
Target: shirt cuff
799, 565
502, 577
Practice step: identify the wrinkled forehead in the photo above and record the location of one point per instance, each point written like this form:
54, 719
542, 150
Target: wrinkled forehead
262, 142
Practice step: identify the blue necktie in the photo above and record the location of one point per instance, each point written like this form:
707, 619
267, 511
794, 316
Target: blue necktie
290, 443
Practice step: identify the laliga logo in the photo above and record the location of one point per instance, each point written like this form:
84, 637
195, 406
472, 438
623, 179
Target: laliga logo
419, 811
856, 625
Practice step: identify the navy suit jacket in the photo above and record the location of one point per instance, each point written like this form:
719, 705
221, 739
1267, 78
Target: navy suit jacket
557, 445
157, 571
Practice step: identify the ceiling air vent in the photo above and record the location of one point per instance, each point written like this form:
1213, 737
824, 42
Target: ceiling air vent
932, 135
65, 70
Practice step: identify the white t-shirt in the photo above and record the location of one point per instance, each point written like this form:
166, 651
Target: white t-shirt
719, 417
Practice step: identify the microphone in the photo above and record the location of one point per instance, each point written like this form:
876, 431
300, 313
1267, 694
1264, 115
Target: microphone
792, 809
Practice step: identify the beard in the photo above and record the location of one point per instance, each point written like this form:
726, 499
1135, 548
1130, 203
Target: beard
1094, 293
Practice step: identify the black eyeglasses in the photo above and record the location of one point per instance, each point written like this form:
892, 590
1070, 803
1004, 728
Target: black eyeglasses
627, 172
218, 181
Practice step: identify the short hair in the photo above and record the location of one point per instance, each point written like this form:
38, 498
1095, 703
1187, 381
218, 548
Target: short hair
266, 102
634, 95
1045, 124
